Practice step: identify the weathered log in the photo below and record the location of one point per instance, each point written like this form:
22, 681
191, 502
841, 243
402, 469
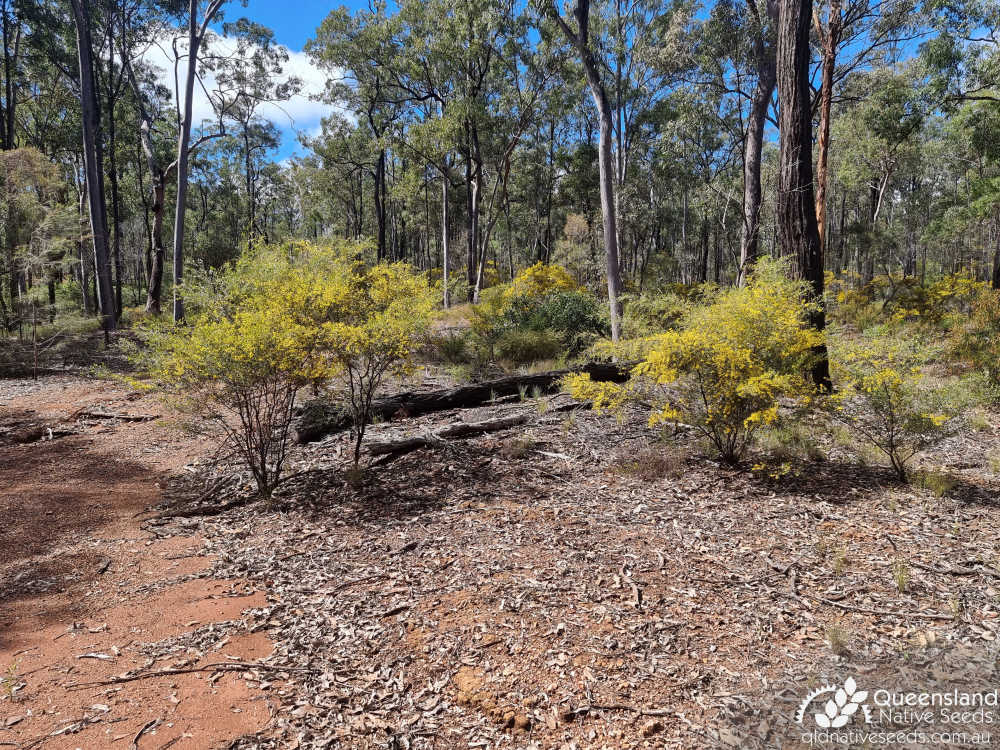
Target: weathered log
438, 437
321, 417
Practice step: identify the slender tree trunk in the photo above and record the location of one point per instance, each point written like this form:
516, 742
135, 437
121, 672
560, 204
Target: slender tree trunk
608, 211
196, 33
379, 196
444, 241
996, 264
10, 90
830, 40
90, 115
753, 147
605, 162
116, 248
797, 230
155, 291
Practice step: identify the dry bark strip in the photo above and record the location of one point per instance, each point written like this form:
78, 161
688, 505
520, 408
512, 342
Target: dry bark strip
320, 417
118, 416
459, 430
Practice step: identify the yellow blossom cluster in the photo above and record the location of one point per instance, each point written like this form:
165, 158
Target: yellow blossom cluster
728, 366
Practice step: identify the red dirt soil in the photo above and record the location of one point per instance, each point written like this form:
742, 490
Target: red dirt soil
83, 587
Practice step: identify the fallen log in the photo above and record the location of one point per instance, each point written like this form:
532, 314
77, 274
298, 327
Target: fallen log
321, 417
457, 430
121, 417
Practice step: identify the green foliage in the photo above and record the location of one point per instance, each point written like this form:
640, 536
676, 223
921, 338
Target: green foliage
450, 346
727, 367
888, 399
539, 316
281, 318
977, 338
520, 346
574, 317
650, 314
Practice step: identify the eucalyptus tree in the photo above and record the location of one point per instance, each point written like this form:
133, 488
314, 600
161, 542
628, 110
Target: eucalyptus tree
246, 78
93, 167
578, 32
738, 47
361, 54
797, 230
854, 36
198, 27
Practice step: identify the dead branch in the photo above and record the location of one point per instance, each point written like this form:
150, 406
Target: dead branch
321, 417
459, 430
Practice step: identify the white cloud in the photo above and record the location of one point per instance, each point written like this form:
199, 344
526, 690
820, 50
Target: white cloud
301, 113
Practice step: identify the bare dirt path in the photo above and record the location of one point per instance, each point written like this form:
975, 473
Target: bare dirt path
86, 594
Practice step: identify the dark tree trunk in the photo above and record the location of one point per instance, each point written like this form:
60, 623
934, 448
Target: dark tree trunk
444, 241
116, 248
10, 54
797, 230
380, 203
996, 264
830, 40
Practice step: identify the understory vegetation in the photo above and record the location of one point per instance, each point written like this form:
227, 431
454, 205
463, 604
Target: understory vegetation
909, 365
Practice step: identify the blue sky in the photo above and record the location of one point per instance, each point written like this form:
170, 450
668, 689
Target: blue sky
294, 22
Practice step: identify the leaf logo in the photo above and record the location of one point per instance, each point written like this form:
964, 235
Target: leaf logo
839, 709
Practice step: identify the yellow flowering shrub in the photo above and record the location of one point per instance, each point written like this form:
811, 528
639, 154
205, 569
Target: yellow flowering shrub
726, 368
539, 280
887, 398
977, 338
277, 320
897, 299
539, 315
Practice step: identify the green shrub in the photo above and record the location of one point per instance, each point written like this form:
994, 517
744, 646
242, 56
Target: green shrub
977, 339
650, 314
575, 316
542, 305
521, 346
887, 398
451, 347
728, 366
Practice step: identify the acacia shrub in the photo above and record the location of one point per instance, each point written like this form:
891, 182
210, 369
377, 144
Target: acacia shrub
278, 319
727, 366
887, 397
976, 339
897, 299
542, 313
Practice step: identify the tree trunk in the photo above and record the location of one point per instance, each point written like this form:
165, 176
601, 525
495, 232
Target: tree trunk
380, 203
10, 90
753, 147
797, 230
90, 115
829, 39
155, 291
196, 34
996, 264
116, 248
606, 167
444, 241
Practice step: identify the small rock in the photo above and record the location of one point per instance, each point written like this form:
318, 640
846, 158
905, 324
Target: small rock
651, 727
